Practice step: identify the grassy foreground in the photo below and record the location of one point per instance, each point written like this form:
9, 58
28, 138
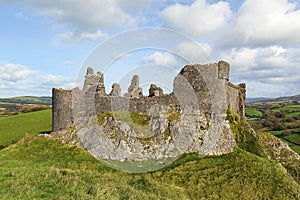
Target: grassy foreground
13, 128
38, 168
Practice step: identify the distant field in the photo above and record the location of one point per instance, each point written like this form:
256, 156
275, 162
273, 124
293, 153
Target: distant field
13, 128
281, 119
292, 114
288, 108
252, 112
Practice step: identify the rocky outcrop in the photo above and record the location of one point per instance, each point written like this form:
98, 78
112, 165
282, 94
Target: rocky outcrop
280, 151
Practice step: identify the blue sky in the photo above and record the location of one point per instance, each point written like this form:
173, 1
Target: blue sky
44, 44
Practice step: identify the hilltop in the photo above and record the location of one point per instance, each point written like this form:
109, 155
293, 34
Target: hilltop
36, 168
42, 168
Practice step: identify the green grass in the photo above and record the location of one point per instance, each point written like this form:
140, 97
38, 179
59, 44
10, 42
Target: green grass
252, 112
293, 114
243, 136
276, 133
44, 169
13, 128
284, 156
38, 168
287, 108
295, 138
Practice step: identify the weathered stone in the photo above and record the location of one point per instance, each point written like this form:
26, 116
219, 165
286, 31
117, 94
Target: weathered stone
134, 90
242, 98
116, 90
134, 84
155, 91
137, 93
223, 70
100, 86
91, 80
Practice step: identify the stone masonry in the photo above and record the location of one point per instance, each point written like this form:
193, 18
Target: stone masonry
190, 119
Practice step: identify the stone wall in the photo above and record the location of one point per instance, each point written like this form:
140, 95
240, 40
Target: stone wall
232, 93
201, 95
62, 116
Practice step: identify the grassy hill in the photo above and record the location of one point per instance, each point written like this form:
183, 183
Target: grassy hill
39, 168
13, 128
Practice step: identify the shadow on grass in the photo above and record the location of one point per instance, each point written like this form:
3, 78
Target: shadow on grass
45, 132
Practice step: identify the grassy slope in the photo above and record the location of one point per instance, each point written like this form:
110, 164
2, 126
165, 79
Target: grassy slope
13, 128
37, 168
41, 168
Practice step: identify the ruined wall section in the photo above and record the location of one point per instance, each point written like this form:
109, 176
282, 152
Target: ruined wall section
208, 85
232, 93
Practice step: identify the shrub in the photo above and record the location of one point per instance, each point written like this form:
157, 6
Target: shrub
243, 136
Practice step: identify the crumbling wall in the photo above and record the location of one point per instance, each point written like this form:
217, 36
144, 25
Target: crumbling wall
207, 82
232, 93
201, 94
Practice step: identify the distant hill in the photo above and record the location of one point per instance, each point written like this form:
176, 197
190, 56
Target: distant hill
28, 100
279, 99
23, 104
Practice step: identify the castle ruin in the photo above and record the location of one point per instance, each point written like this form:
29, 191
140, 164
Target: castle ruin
190, 119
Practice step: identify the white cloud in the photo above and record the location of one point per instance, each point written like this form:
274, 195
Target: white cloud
161, 58
195, 52
71, 37
263, 22
137, 3
198, 19
12, 72
242, 59
17, 80
81, 20
267, 71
